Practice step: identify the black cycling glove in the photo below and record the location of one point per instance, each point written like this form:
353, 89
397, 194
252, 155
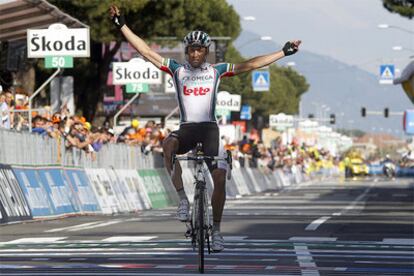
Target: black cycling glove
289, 49
119, 20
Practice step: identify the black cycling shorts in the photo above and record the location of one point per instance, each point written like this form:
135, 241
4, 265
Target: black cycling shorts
190, 134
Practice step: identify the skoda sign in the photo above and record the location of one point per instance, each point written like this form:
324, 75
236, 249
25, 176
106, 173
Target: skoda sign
231, 102
135, 71
58, 40
280, 121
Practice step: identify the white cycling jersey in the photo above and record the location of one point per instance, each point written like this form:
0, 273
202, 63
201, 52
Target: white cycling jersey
196, 88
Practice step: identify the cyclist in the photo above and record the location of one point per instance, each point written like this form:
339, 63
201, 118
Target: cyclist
196, 83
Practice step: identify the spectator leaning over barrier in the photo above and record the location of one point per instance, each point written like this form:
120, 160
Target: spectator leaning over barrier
197, 104
4, 112
10, 105
129, 133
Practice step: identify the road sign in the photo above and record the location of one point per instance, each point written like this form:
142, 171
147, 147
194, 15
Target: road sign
246, 112
231, 102
137, 88
135, 71
387, 74
58, 40
280, 121
261, 80
409, 121
59, 62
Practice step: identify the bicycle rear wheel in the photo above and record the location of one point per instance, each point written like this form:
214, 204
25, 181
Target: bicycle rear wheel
200, 232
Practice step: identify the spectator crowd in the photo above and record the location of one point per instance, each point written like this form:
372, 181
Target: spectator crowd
75, 132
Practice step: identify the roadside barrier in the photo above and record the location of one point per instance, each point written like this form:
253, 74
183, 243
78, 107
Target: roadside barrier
13, 204
154, 188
405, 172
54, 191
377, 169
88, 202
42, 179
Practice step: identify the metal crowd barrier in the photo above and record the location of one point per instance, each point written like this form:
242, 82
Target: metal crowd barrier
24, 148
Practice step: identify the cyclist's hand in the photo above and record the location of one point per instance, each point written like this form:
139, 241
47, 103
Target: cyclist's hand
291, 47
116, 16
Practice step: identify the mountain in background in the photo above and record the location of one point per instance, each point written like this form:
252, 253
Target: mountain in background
345, 89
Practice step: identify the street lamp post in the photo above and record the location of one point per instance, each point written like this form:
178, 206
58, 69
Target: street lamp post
249, 18
387, 26
401, 48
263, 38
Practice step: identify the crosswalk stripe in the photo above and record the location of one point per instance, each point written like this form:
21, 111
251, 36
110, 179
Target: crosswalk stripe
312, 239
399, 241
129, 238
35, 240
71, 227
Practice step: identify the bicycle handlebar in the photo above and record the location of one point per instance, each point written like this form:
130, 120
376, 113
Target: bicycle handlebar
200, 158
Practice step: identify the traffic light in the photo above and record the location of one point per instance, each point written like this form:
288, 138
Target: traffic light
363, 112
311, 116
332, 119
386, 112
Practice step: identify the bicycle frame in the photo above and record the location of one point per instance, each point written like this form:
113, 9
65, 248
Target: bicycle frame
200, 212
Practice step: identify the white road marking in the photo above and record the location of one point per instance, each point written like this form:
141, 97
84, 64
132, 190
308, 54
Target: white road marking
382, 262
316, 223
129, 238
358, 199
71, 227
400, 195
235, 238
305, 260
35, 240
313, 239
95, 226
399, 241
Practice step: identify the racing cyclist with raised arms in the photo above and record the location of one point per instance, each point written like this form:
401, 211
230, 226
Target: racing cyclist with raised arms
196, 83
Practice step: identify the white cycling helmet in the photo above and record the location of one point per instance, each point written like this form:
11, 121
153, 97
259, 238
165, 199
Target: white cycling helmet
197, 38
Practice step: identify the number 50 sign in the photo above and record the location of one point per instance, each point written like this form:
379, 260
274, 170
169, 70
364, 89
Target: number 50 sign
59, 62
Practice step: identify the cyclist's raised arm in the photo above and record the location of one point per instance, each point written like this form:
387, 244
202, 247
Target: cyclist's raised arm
290, 48
133, 39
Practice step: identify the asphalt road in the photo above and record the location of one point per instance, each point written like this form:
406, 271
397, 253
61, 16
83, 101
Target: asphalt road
357, 227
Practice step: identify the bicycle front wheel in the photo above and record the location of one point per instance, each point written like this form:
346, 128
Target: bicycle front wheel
200, 232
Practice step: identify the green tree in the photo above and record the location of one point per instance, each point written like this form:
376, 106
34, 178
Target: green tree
404, 8
148, 19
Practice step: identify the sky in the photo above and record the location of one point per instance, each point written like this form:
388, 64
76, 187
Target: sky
342, 29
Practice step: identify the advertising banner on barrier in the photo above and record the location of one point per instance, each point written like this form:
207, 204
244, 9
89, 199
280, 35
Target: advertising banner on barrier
136, 192
82, 188
63, 198
36, 195
104, 191
240, 182
13, 205
168, 186
120, 192
154, 188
